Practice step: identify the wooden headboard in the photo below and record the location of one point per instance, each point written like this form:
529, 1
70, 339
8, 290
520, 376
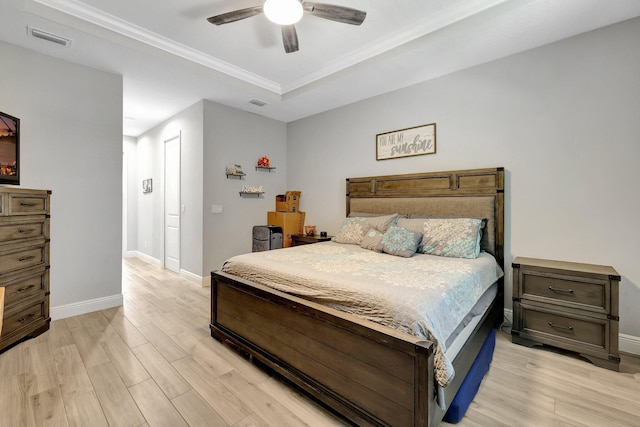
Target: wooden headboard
474, 193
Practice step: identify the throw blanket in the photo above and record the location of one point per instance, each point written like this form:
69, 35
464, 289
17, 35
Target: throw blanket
426, 296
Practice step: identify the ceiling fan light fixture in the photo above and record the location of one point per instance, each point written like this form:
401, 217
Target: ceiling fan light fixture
283, 12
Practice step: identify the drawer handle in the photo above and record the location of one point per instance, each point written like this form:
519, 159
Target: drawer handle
26, 258
566, 291
26, 287
554, 326
26, 230
27, 317
28, 205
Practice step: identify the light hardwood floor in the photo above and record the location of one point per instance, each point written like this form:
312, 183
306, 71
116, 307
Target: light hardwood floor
152, 362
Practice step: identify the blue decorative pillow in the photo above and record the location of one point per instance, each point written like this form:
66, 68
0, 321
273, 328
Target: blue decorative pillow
400, 242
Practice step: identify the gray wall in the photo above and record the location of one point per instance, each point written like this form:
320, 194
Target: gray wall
71, 143
237, 137
150, 160
562, 119
213, 136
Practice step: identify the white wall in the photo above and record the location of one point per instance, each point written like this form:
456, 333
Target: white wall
71, 143
562, 120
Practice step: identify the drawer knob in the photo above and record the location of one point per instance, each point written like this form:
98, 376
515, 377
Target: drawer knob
28, 205
27, 317
26, 230
564, 291
554, 326
26, 258
25, 288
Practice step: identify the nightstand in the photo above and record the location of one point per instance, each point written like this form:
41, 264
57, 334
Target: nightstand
567, 305
303, 239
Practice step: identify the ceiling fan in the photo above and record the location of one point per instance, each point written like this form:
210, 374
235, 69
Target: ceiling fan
287, 12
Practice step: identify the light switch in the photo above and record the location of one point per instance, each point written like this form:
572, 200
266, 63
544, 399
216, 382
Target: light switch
216, 208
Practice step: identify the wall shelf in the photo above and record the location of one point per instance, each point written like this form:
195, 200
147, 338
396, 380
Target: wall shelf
236, 175
265, 168
251, 193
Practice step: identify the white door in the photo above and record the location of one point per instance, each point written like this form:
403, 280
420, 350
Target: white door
172, 204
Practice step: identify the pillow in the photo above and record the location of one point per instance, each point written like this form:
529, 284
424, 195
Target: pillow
452, 237
353, 229
372, 240
400, 241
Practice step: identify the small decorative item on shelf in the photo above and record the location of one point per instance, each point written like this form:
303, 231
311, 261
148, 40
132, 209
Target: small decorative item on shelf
234, 170
251, 189
264, 162
310, 230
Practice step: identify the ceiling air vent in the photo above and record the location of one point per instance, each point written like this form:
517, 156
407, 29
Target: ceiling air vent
43, 35
257, 102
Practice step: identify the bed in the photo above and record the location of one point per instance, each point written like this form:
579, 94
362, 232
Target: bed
369, 372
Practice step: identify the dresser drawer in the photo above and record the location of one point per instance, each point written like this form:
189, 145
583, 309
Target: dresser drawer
579, 292
15, 231
14, 257
28, 204
24, 318
576, 332
31, 282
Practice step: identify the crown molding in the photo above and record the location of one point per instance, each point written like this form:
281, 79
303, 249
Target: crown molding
113, 23
424, 27
442, 19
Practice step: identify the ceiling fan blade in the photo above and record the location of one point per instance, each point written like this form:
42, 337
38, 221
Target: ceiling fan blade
289, 38
346, 15
236, 15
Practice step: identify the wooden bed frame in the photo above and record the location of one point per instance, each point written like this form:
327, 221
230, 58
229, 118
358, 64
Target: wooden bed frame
368, 373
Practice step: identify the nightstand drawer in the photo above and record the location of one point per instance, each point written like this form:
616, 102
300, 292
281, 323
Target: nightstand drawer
588, 294
577, 331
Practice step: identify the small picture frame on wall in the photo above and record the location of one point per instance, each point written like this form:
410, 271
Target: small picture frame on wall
147, 185
414, 141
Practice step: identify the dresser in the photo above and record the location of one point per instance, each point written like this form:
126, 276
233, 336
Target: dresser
567, 305
24, 263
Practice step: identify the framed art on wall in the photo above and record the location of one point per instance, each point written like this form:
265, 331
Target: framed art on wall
414, 141
9, 149
147, 185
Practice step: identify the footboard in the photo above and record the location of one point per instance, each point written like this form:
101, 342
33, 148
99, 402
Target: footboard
370, 374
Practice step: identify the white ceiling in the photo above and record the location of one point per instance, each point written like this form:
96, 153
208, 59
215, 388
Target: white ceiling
170, 57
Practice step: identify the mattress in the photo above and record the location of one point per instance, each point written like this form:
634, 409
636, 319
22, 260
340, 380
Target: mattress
424, 295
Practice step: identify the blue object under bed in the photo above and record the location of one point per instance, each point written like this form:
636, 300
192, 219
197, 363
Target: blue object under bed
472, 381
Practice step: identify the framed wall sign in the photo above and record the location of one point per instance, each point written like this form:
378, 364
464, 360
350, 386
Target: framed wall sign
414, 141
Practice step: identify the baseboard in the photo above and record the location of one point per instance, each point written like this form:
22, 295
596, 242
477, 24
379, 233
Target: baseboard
626, 343
149, 259
83, 307
629, 344
193, 278
131, 254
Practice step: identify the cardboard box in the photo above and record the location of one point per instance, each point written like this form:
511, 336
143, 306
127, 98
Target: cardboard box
289, 202
291, 223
